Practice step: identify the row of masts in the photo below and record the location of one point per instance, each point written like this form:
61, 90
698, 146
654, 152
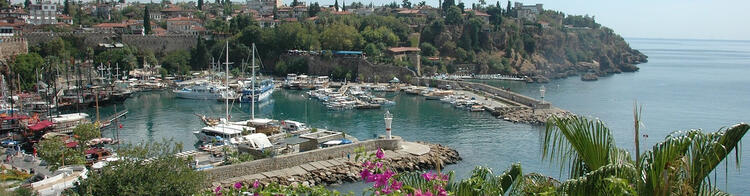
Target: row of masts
253, 80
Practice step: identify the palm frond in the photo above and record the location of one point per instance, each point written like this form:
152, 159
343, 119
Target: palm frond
598, 180
483, 182
709, 150
656, 164
535, 184
583, 144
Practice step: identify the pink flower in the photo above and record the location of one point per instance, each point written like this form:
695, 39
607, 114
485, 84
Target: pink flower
428, 176
380, 153
444, 177
238, 185
396, 185
255, 184
218, 188
420, 193
441, 191
379, 165
365, 173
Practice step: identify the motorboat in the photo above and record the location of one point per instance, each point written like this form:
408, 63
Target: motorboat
204, 91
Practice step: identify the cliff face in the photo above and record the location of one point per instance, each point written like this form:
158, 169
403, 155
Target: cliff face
554, 46
566, 53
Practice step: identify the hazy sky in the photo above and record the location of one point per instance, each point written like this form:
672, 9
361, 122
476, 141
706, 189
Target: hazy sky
679, 19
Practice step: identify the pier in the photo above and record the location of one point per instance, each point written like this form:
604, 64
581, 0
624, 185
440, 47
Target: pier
502, 103
331, 165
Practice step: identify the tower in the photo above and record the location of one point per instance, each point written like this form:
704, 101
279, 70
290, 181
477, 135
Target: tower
388, 120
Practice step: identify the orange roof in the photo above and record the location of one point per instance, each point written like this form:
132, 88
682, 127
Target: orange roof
409, 12
342, 13
198, 28
404, 49
172, 8
111, 25
183, 19
64, 17
479, 13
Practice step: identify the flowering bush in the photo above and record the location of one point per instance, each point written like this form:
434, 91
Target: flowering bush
387, 182
256, 189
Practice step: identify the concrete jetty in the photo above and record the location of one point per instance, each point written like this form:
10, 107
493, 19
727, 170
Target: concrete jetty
332, 165
502, 103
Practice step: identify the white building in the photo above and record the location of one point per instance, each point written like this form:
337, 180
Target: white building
44, 13
264, 7
528, 12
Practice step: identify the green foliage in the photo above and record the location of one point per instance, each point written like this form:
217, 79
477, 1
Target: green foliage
679, 165
239, 22
54, 152
25, 66
340, 37
199, 55
200, 4
162, 174
313, 9
453, 16
146, 21
380, 35
85, 132
125, 57
581, 21
406, 4
428, 49
372, 50
177, 62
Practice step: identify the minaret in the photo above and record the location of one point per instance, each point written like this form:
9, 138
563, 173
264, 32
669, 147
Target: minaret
388, 120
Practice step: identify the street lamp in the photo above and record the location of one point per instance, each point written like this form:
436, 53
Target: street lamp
542, 90
388, 119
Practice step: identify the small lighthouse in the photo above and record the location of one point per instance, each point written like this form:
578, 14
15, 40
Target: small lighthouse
388, 120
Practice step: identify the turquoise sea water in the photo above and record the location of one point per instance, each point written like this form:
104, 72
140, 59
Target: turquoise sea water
686, 84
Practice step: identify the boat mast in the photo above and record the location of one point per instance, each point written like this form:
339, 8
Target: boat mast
252, 106
226, 82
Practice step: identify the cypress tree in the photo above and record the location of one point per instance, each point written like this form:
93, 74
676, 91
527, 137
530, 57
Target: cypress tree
146, 22
343, 7
66, 7
336, 5
507, 12
26, 4
200, 4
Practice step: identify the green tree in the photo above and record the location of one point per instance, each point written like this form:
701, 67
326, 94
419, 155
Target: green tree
66, 7
163, 173
447, 4
85, 132
146, 21
372, 50
199, 55
25, 66
428, 49
54, 152
336, 5
177, 62
313, 9
340, 37
680, 165
454, 16
26, 4
200, 4
295, 3
508, 9
406, 4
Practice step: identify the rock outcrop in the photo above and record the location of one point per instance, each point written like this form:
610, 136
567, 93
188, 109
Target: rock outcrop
344, 170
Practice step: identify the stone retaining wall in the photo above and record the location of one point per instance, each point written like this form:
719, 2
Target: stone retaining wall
510, 95
287, 161
13, 46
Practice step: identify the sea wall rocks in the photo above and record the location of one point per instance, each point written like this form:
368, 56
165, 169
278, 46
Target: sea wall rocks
527, 115
344, 169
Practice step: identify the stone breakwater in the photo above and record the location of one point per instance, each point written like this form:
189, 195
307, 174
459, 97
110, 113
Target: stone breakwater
412, 157
527, 115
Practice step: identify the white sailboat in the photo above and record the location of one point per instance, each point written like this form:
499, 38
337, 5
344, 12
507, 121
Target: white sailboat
233, 133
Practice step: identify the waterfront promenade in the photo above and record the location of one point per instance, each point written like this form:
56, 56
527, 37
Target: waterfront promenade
502, 103
332, 165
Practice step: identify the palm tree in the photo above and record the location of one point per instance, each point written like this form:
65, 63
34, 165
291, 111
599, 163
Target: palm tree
678, 165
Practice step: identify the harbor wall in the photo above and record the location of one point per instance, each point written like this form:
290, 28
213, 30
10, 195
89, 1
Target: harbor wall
167, 43
13, 46
287, 161
506, 94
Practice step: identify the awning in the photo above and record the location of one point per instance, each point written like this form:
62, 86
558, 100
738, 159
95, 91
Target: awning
15, 117
41, 125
